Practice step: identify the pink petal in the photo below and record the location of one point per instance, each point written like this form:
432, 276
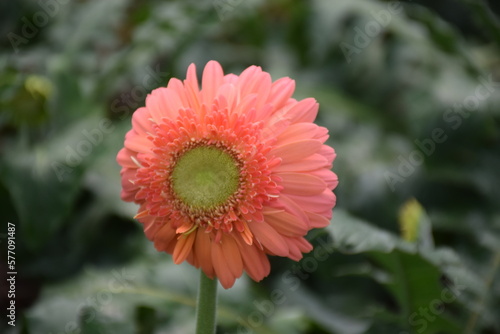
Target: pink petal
129, 189
275, 126
135, 142
176, 85
231, 78
301, 184
212, 78
230, 95
328, 176
245, 104
262, 87
297, 247
321, 134
192, 87
281, 90
313, 162
164, 239
141, 121
255, 261
127, 196
203, 252
287, 224
321, 204
304, 245
269, 238
163, 102
183, 247
232, 256
254, 81
151, 225
124, 158
328, 152
221, 268
245, 79
298, 131
304, 111
296, 151
284, 202
317, 221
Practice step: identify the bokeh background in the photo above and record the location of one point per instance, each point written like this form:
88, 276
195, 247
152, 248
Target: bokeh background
410, 92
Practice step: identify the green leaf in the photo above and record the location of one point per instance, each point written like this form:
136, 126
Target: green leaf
42, 201
414, 280
351, 235
332, 320
45, 179
415, 283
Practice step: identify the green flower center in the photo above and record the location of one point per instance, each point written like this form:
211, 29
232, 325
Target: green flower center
205, 177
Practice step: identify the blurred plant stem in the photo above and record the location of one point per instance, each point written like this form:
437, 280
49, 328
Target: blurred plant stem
474, 317
206, 305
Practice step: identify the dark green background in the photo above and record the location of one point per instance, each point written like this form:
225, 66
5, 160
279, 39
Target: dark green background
397, 86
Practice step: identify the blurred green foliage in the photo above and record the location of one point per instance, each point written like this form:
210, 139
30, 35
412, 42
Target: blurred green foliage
410, 92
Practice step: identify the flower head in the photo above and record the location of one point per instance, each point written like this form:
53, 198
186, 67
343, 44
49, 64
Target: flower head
230, 173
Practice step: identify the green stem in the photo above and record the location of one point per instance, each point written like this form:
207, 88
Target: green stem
207, 305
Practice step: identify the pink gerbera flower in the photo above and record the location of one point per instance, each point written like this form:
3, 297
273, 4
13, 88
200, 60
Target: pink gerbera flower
230, 173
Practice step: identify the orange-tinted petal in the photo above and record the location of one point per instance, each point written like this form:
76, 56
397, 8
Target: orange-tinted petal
301, 184
330, 178
232, 255
255, 261
319, 204
287, 224
269, 238
203, 252
317, 220
296, 150
227, 261
183, 247
164, 239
